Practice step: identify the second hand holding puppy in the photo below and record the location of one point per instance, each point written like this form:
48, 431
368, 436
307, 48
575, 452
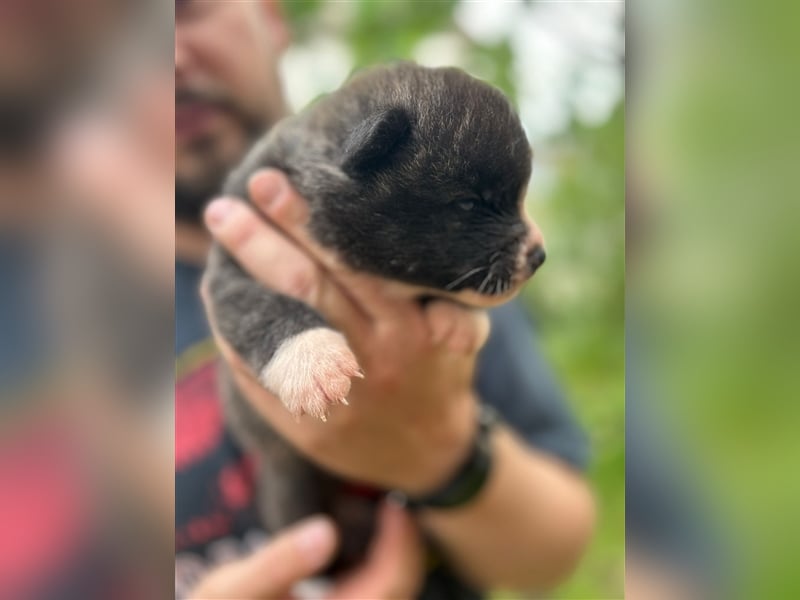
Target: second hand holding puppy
412, 417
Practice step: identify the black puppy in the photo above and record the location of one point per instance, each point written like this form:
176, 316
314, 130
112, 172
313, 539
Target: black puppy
413, 174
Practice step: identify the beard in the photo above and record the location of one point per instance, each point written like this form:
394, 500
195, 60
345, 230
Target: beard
192, 194
190, 203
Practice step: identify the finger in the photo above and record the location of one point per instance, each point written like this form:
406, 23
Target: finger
394, 566
270, 572
276, 261
272, 193
458, 328
263, 252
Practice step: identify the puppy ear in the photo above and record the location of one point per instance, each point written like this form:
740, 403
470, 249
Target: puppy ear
375, 140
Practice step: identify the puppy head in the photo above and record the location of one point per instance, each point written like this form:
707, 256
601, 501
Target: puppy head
436, 166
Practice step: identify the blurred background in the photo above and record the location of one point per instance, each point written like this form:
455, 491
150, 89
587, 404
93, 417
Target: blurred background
86, 286
712, 272
563, 66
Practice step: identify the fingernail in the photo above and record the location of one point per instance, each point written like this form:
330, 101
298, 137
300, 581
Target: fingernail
266, 188
315, 540
217, 211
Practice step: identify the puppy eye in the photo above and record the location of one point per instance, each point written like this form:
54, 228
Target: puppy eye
466, 204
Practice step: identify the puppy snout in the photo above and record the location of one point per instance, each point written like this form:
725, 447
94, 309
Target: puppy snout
535, 258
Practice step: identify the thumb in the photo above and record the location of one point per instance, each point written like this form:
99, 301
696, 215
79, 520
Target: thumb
394, 567
270, 572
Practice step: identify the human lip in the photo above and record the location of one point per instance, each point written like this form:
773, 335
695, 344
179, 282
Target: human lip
192, 119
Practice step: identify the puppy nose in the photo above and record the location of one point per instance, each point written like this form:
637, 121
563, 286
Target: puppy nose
536, 256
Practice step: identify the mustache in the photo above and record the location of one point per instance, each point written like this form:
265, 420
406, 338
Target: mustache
186, 96
251, 123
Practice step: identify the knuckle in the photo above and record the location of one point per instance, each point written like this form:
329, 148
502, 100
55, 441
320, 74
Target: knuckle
241, 230
471, 332
300, 284
288, 209
387, 379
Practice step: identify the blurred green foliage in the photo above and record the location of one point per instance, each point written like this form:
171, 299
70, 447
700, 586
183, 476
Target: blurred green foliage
578, 302
382, 31
578, 298
716, 120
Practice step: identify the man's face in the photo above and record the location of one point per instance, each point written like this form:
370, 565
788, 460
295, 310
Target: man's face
227, 90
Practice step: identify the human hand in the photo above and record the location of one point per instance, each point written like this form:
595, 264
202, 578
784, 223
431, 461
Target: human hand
412, 417
392, 568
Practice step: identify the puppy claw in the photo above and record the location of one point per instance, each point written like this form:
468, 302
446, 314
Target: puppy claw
344, 401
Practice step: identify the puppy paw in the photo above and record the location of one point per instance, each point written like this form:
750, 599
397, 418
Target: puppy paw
311, 371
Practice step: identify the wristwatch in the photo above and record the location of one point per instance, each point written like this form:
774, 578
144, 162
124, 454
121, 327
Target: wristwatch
468, 479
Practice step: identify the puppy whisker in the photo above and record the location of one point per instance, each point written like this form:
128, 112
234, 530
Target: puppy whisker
466, 275
485, 281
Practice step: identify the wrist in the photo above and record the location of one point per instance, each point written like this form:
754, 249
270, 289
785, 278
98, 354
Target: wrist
445, 444
466, 483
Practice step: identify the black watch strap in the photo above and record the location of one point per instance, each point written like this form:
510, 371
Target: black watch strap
469, 478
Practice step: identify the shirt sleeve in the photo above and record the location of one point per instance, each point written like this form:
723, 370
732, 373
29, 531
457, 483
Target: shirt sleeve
514, 378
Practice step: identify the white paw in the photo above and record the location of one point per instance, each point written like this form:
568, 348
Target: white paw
311, 372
